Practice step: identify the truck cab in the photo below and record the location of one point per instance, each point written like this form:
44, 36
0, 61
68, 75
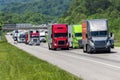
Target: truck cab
21, 37
58, 36
76, 35
15, 34
32, 37
96, 36
42, 37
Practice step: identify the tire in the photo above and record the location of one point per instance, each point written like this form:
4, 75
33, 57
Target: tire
84, 49
67, 48
88, 49
54, 48
109, 50
49, 47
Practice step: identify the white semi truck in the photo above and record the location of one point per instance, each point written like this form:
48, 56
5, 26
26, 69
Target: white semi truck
21, 37
42, 36
96, 37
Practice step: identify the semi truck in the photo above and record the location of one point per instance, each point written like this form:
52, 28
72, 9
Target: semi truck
58, 36
21, 37
32, 37
15, 34
95, 36
75, 35
42, 36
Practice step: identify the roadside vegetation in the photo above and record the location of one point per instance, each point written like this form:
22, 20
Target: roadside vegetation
117, 43
16, 64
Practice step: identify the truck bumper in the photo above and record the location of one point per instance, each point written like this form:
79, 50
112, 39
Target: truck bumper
61, 46
95, 49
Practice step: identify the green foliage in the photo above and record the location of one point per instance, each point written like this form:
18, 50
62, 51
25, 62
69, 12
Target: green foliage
32, 11
16, 64
47, 7
94, 9
29, 17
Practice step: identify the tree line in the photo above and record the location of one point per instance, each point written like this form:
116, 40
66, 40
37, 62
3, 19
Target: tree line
81, 10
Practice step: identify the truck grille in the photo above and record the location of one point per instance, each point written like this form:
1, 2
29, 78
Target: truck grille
100, 43
34, 40
61, 42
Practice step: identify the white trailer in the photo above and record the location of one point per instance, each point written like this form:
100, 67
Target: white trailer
42, 37
70, 39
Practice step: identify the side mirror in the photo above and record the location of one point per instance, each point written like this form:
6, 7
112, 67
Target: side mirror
69, 35
111, 34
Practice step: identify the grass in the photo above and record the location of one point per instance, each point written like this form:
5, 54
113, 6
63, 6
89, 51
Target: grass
16, 64
117, 44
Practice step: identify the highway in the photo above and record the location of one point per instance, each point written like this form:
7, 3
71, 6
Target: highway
97, 66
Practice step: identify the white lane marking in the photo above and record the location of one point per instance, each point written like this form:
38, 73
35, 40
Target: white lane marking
114, 66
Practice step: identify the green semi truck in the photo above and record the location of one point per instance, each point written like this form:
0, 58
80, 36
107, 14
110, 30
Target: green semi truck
75, 35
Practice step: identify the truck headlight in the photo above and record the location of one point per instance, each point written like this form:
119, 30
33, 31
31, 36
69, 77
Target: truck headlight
92, 43
108, 42
55, 44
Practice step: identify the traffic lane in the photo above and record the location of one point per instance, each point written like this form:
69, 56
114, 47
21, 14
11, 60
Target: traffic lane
109, 58
79, 66
75, 64
112, 58
99, 57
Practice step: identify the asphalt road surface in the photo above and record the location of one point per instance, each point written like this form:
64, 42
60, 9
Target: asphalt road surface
98, 66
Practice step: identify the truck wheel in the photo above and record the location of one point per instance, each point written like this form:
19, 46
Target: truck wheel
109, 50
88, 49
49, 46
67, 48
54, 48
84, 50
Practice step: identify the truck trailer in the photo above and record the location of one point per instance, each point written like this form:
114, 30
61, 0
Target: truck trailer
32, 37
75, 35
95, 36
58, 36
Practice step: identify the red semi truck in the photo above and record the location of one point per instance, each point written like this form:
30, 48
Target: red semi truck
58, 36
32, 37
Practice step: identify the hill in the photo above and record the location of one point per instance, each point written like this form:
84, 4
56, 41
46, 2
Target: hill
32, 11
4, 3
47, 7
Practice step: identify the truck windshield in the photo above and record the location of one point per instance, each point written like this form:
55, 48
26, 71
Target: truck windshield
60, 35
42, 36
22, 36
78, 34
35, 40
99, 33
16, 31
